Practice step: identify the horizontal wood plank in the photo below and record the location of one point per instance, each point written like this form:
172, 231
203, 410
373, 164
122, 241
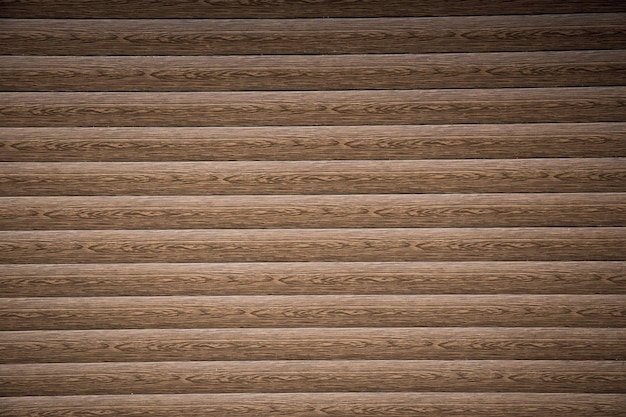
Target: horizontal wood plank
292, 9
312, 376
333, 211
293, 278
313, 344
75, 313
423, 404
294, 245
313, 177
313, 72
302, 36
449, 106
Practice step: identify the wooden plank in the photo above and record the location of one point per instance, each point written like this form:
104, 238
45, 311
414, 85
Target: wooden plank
293, 278
533, 140
302, 36
312, 376
313, 177
295, 245
333, 211
313, 72
471, 343
448, 106
201, 312
406, 404
158, 9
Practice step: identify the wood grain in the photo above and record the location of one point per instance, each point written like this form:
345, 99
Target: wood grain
438, 343
524, 105
533, 140
302, 36
333, 211
306, 278
313, 72
319, 404
293, 245
75, 313
312, 376
291, 9
313, 177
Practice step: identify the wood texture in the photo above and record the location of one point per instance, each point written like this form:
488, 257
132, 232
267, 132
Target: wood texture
292, 245
319, 404
433, 343
332, 211
313, 72
292, 9
76, 313
313, 177
312, 376
532, 105
295, 143
302, 278
302, 36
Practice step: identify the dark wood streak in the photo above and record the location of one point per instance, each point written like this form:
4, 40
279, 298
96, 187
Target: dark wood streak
293, 278
75, 313
525, 105
302, 36
312, 376
323, 72
308, 404
433, 343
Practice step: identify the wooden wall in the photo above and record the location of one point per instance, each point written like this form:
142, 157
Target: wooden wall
313, 208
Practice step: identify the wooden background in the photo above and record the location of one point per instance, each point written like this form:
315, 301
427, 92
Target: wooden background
312, 208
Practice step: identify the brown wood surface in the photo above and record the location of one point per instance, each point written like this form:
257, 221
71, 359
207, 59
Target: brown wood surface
312, 376
291, 245
83, 313
291, 9
523, 105
313, 177
302, 36
319, 404
432, 343
319, 211
303, 278
321, 72
532, 140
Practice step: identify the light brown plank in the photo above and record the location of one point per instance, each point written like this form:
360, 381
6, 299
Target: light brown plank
292, 9
313, 344
295, 245
289, 278
302, 36
447, 106
312, 376
319, 404
334, 211
314, 143
314, 177
313, 311
313, 72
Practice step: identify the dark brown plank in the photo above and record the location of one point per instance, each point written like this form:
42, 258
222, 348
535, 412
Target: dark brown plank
448, 106
316, 72
294, 245
313, 311
288, 278
319, 404
302, 36
313, 177
312, 376
333, 211
314, 142
472, 343
292, 9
